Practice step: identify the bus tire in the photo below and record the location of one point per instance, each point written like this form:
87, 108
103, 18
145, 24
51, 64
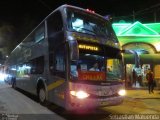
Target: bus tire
42, 95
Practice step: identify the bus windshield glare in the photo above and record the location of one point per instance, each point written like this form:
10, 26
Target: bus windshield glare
87, 23
93, 67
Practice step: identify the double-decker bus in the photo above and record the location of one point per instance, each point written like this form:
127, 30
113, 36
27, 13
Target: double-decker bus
72, 58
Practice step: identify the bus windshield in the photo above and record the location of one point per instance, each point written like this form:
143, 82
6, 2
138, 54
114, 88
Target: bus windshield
92, 67
87, 23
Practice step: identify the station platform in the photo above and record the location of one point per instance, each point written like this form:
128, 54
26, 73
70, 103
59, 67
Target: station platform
138, 101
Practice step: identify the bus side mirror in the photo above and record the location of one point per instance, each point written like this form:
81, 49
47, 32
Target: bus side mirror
74, 51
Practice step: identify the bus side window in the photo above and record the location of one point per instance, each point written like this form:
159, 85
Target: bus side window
37, 65
55, 27
55, 33
40, 33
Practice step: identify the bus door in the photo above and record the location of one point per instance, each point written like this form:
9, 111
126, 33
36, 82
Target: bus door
58, 70
57, 57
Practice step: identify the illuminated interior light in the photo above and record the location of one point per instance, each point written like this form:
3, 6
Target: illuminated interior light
28, 67
87, 54
14, 69
157, 46
79, 94
77, 23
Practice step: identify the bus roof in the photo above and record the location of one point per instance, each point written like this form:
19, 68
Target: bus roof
60, 8
78, 8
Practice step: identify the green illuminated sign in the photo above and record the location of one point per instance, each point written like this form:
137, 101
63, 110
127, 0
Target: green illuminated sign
136, 29
138, 33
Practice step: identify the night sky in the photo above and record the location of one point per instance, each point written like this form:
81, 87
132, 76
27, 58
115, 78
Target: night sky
13, 11
19, 17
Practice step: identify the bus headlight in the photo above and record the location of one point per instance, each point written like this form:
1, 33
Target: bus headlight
122, 92
79, 94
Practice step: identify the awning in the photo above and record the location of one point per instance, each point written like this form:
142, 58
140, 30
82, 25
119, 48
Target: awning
150, 59
129, 59
144, 59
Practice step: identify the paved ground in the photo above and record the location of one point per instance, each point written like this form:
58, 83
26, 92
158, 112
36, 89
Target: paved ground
14, 102
138, 102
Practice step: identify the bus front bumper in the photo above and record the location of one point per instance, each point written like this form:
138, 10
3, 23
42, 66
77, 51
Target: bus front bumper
91, 103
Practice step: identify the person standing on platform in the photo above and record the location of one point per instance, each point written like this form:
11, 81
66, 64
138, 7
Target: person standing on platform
134, 75
150, 79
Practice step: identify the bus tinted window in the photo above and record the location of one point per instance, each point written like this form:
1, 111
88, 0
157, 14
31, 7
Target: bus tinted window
55, 30
23, 70
93, 67
97, 63
36, 36
37, 65
39, 33
54, 24
114, 68
89, 67
87, 23
59, 61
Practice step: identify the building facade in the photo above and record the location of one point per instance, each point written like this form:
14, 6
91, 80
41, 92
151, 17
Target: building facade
144, 39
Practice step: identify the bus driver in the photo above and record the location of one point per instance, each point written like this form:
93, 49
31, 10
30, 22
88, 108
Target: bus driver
95, 67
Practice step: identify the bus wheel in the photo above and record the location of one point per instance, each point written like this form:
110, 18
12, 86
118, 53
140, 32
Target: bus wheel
42, 95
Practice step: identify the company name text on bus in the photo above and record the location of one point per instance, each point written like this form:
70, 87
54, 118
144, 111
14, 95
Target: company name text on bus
88, 47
